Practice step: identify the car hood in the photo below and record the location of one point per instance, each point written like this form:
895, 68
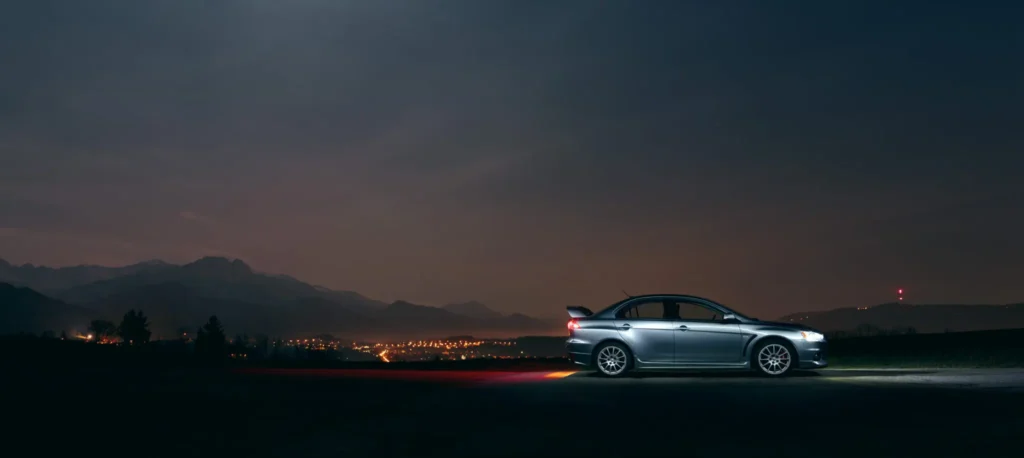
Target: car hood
776, 324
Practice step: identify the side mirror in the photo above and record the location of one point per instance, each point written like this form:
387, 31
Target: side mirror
729, 317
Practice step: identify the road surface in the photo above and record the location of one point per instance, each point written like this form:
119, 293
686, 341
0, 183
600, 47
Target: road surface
338, 413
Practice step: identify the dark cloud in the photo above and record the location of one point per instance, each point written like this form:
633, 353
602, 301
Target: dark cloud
527, 154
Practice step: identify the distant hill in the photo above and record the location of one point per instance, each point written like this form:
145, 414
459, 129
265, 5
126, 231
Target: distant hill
404, 318
472, 309
923, 318
173, 307
48, 279
217, 278
25, 310
180, 298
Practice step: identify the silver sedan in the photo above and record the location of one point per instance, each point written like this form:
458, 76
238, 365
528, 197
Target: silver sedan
672, 331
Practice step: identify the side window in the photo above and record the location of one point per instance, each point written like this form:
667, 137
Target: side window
652, 309
695, 311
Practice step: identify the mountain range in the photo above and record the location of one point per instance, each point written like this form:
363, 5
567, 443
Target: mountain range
179, 298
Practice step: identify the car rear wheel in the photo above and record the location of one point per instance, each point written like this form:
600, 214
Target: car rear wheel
613, 359
773, 358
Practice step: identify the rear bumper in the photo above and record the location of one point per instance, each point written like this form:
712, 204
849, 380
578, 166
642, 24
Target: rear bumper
579, 352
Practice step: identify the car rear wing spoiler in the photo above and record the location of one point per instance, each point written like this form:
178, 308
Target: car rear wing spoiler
577, 311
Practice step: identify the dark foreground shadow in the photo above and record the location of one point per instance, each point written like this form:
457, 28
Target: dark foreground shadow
699, 374
878, 373
695, 374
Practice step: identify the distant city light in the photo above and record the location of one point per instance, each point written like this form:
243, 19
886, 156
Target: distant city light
417, 350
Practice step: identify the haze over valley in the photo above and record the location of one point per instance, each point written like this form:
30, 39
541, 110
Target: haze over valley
178, 298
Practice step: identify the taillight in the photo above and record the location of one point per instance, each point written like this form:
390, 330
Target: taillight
573, 325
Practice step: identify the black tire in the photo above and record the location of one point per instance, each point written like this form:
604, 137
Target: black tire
779, 359
610, 352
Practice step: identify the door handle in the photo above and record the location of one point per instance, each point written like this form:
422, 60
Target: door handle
625, 327
683, 328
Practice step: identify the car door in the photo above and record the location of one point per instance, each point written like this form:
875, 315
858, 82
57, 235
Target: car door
650, 336
703, 338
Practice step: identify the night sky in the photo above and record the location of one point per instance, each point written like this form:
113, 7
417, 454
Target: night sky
527, 155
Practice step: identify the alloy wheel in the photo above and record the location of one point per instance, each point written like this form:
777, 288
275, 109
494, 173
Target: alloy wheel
774, 359
611, 360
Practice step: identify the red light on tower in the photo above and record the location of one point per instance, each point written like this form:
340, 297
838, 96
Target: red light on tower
899, 295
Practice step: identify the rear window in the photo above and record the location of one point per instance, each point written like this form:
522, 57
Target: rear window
651, 309
611, 307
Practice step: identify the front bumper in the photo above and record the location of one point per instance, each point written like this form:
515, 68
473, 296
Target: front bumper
812, 355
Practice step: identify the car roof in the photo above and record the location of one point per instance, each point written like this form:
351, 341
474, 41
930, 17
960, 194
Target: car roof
618, 304
688, 296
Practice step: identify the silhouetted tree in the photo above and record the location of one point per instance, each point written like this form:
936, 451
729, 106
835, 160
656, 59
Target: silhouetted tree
134, 328
240, 345
63, 335
278, 347
101, 329
48, 335
867, 330
262, 348
210, 339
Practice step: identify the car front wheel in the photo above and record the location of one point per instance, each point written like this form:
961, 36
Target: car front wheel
613, 359
773, 358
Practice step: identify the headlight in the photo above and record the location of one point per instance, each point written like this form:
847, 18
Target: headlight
812, 336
